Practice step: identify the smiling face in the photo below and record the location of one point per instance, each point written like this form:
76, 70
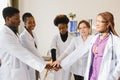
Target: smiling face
30, 23
83, 29
101, 24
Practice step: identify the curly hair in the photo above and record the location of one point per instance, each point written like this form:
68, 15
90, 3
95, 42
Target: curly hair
61, 19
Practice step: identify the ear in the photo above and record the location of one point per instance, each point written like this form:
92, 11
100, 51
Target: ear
7, 19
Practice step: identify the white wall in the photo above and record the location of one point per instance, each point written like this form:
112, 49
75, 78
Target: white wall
3, 4
44, 12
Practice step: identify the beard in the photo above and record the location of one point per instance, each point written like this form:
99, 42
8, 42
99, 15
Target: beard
14, 29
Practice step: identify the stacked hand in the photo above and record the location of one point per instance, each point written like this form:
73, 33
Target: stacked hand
48, 66
55, 66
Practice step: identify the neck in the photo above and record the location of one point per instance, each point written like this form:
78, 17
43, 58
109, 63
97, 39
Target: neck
84, 37
30, 31
103, 35
14, 29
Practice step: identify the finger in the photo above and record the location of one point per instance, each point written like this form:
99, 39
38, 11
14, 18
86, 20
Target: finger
54, 65
58, 65
56, 69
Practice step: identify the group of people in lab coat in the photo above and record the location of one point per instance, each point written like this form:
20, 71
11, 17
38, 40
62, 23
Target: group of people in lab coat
19, 55
79, 67
88, 57
102, 51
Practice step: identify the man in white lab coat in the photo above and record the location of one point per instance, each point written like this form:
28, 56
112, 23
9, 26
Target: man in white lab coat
14, 57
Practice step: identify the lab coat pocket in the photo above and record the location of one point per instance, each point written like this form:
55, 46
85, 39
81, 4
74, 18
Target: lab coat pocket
18, 74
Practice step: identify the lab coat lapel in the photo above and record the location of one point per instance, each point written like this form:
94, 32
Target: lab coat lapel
28, 35
90, 57
11, 32
33, 39
107, 56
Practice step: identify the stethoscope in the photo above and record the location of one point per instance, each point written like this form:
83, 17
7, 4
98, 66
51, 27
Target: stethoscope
114, 57
113, 54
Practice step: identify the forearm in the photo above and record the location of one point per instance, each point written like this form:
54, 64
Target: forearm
61, 57
53, 54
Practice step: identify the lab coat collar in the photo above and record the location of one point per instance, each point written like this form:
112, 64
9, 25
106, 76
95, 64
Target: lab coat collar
31, 37
10, 31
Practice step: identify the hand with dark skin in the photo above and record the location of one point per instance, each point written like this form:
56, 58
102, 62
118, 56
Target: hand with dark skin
56, 68
48, 66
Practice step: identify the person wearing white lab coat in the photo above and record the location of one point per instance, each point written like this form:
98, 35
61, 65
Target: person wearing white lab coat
107, 52
14, 57
79, 67
60, 43
29, 41
103, 59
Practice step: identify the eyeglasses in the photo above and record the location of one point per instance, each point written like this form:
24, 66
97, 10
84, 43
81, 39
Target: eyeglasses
101, 21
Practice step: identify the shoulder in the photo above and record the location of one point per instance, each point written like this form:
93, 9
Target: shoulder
91, 37
24, 33
56, 36
4, 29
115, 38
6, 32
70, 35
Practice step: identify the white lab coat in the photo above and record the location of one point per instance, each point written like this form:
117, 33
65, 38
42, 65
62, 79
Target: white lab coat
29, 42
79, 66
110, 65
60, 46
15, 57
108, 70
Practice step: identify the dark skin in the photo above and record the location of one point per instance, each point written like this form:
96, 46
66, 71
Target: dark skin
63, 28
14, 21
30, 24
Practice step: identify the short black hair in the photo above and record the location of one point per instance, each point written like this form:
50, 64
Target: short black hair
61, 19
26, 15
9, 12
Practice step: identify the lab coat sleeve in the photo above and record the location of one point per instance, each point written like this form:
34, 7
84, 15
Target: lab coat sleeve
54, 42
73, 57
71, 47
14, 48
116, 73
28, 45
68, 50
